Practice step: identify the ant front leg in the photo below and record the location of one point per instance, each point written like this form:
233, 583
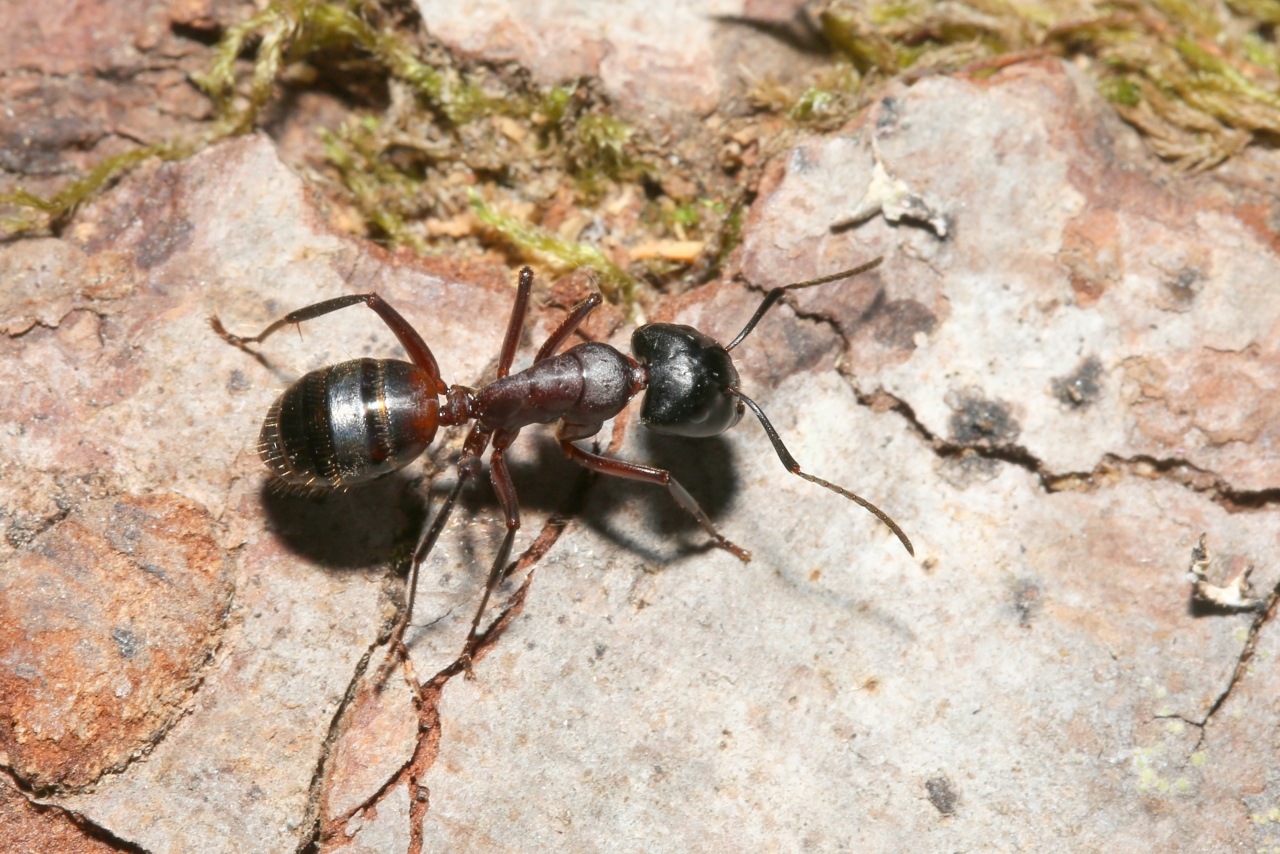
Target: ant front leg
506, 489
419, 353
562, 332
516, 323
647, 474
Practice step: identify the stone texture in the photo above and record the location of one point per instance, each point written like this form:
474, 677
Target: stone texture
109, 619
30, 827
81, 81
1070, 269
651, 57
664, 63
378, 736
1036, 678
1041, 656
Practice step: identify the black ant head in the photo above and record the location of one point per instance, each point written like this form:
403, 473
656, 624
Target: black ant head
691, 381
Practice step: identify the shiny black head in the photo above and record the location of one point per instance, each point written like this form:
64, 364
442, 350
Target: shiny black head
690, 375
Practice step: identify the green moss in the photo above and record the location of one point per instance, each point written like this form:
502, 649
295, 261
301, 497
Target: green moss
534, 242
290, 30
1120, 91
379, 190
1197, 84
416, 160
37, 212
730, 236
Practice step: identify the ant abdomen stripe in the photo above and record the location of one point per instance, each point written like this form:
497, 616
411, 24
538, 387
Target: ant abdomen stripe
349, 423
379, 445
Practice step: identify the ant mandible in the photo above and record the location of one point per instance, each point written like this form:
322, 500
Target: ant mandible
347, 424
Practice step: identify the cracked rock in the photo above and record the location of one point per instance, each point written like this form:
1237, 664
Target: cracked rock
1033, 679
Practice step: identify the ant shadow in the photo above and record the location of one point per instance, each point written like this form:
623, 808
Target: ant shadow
545, 477
704, 467
365, 527
349, 529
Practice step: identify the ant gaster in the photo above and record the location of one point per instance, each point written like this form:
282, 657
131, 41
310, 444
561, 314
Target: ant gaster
347, 424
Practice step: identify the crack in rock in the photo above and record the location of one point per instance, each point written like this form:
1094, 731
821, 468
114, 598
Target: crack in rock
1194, 478
426, 699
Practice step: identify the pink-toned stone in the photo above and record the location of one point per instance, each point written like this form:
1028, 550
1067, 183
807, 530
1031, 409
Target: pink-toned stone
652, 57
114, 391
49, 830
377, 736
109, 620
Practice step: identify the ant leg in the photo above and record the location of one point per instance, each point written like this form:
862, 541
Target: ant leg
418, 351
794, 467
566, 327
518, 310
476, 442
648, 474
506, 490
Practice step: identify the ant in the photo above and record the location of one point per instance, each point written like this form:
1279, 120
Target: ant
347, 424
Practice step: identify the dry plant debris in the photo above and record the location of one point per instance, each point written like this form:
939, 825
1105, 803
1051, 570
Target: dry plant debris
1235, 595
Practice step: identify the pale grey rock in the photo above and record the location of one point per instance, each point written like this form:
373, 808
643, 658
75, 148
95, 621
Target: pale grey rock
1058, 297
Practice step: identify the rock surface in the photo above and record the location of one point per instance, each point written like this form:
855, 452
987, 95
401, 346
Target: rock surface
1063, 373
670, 62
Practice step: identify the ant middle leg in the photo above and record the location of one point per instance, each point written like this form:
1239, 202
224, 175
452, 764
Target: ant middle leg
649, 474
419, 353
562, 332
468, 466
505, 487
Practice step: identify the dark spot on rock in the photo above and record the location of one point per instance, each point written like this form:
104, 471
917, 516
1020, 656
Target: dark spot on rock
600, 650
157, 571
1181, 289
128, 642
894, 323
942, 795
124, 528
237, 381
41, 138
1081, 388
890, 112
164, 238
968, 467
1026, 600
979, 421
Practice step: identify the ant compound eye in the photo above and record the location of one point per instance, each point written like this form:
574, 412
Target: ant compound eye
690, 375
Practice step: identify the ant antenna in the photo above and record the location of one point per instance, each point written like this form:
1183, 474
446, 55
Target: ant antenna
794, 467
776, 294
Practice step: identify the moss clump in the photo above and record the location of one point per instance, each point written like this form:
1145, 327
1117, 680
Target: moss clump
407, 169
1198, 80
561, 254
